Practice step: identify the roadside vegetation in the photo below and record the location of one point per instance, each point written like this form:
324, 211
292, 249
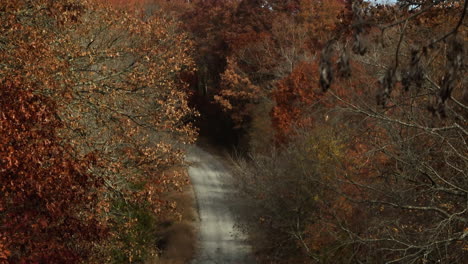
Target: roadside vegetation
93, 120
351, 123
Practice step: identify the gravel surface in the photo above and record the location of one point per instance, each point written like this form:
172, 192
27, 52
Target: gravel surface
219, 239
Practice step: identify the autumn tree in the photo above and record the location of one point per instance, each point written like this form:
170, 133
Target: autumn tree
94, 116
417, 117
265, 57
48, 198
394, 103
318, 149
129, 104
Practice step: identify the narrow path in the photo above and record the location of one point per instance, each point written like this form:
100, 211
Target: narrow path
219, 240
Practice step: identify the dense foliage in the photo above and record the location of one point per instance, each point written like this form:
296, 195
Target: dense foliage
351, 118
93, 119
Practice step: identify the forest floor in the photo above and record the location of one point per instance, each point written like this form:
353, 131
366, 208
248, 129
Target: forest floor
219, 238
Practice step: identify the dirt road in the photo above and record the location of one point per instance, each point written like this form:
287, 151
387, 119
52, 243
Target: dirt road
219, 240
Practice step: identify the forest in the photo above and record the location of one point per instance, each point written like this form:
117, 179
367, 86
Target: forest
346, 120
